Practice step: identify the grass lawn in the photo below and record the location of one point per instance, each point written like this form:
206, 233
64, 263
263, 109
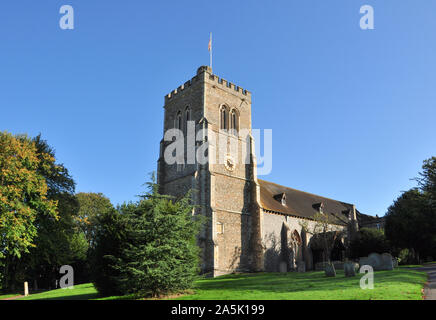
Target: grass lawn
400, 284
79, 292
9, 295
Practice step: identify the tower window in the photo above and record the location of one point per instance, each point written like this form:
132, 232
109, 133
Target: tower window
179, 123
188, 114
234, 122
224, 115
187, 117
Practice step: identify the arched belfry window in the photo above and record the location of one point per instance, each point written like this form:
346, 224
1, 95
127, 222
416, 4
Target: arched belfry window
187, 114
224, 118
187, 117
234, 122
179, 123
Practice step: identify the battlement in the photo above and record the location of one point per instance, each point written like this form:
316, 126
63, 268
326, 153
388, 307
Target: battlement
205, 72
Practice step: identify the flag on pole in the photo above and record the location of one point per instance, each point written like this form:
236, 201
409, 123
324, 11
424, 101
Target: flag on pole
210, 43
209, 47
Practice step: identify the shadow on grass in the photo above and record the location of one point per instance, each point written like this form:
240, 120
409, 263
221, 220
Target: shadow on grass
294, 282
87, 296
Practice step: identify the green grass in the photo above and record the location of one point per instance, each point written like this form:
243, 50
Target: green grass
9, 295
400, 284
79, 292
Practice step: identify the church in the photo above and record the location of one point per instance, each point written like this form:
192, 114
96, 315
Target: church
251, 224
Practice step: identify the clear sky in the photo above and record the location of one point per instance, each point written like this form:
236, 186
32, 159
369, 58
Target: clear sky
352, 111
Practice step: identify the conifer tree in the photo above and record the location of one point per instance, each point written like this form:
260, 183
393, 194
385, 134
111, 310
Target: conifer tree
161, 255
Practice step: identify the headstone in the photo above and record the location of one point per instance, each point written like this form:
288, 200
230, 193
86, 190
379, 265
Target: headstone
26, 289
283, 267
301, 266
350, 269
330, 270
376, 260
395, 262
35, 285
387, 263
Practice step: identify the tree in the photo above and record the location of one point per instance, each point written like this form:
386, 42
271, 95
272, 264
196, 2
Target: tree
57, 240
91, 206
367, 241
109, 237
427, 180
162, 255
410, 223
23, 196
152, 250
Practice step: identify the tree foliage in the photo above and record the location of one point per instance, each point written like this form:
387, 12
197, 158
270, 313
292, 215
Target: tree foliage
91, 206
158, 252
23, 193
411, 219
368, 240
109, 237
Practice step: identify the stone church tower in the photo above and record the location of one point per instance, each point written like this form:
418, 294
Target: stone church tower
214, 112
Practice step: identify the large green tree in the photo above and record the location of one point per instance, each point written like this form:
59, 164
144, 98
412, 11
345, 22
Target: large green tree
110, 235
23, 197
411, 219
91, 206
157, 252
60, 241
56, 237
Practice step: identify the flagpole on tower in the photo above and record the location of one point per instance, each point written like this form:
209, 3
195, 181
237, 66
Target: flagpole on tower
210, 49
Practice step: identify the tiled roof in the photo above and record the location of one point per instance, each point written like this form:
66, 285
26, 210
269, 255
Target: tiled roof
302, 204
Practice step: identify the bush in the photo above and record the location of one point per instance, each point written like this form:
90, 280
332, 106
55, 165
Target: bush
367, 241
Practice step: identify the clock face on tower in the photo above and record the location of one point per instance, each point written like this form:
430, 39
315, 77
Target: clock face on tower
229, 163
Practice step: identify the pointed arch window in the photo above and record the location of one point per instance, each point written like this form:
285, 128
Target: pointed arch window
179, 123
187, 114
234, 122
224, 121
187, 118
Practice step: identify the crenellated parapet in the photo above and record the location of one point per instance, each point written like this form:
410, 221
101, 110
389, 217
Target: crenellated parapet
204, 73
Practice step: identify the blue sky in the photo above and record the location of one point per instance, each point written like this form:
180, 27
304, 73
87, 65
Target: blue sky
353, 112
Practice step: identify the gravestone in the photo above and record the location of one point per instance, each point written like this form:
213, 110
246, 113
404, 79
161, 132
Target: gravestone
301, 266
378, 261
330, 270
283, 267
387, 263
350, 269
